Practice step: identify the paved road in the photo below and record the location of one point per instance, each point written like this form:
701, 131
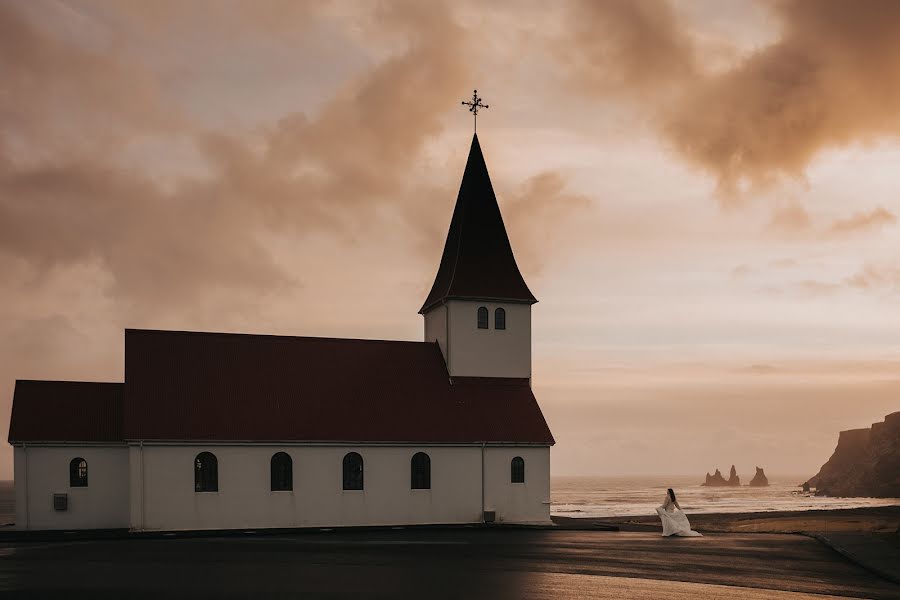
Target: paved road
468, 563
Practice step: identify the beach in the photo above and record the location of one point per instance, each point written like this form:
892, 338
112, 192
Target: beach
878, 520
469, 563
748, 555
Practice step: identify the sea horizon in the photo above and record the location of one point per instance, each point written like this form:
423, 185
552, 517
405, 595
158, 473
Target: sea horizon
587, 496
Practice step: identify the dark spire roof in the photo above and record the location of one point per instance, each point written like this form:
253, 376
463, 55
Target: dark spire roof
478, 261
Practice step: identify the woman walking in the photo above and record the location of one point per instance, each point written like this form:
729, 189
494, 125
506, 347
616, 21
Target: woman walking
674, 521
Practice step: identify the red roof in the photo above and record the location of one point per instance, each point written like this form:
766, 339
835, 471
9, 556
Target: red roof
66, 411
218, 386
478, 260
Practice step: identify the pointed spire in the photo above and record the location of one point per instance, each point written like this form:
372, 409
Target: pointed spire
478, 261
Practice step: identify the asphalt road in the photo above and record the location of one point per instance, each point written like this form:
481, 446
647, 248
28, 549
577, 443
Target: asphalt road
466, 563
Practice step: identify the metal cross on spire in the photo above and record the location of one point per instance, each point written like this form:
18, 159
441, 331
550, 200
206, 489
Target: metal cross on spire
474, 105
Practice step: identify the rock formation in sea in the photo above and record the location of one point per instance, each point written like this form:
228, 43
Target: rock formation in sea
733, 478
760, 479
714, 480
717, 479
866, 462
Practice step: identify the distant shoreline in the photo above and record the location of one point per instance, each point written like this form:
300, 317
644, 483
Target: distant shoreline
874, 519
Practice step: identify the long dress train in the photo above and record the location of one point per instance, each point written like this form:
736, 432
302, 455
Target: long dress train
674, 521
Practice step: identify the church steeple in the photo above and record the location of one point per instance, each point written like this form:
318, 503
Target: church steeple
478, 261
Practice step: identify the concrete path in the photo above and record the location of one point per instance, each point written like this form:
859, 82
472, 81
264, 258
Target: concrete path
466, 564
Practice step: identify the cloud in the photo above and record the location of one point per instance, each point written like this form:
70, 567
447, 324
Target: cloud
869, 277
535, 212
790, 218
636, 46
164, 248
831, 79
793, 218
873, 276
55, 88
863, 221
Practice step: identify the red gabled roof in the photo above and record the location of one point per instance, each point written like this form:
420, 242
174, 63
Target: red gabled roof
66, 411
218, 386
478, 260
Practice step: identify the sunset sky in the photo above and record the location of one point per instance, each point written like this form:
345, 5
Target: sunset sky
703, 195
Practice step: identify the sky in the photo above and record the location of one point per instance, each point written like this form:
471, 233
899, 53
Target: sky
703, 195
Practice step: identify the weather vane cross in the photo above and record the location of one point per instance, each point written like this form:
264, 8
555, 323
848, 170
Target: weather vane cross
474, 105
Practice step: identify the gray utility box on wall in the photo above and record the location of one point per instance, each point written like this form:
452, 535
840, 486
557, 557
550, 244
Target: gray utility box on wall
60, 501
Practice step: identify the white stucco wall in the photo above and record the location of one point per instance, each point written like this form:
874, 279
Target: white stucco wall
527, 502
436, 327
103, 504
244, 499
118, 496
488, 352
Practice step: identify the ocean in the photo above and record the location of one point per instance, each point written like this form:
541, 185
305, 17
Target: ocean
635, 496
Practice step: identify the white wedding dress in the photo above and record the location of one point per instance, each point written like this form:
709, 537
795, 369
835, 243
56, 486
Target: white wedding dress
674, 521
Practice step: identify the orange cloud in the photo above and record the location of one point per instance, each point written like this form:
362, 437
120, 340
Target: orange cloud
791, 218
863, 221
831, 79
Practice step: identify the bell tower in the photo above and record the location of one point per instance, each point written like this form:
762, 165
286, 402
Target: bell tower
479, 307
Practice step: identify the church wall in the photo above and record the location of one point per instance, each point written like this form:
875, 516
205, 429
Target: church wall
527, 502
436, 327
244, 499
489, 352
103, 504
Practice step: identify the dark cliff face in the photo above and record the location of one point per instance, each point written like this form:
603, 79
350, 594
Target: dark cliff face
866, 462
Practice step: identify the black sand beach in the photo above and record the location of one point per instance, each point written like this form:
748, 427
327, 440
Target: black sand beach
878, 519
450, 563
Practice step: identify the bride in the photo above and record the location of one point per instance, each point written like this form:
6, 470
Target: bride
674, 521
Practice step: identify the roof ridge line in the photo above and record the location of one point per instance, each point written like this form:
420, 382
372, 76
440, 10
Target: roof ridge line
69, 381
270, 335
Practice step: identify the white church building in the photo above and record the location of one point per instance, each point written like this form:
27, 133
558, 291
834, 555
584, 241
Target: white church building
237, 431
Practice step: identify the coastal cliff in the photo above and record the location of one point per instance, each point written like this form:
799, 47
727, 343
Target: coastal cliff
717, 479
866, 462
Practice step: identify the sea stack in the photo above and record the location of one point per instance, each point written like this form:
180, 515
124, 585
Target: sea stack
733, 478
717, 480
760, 479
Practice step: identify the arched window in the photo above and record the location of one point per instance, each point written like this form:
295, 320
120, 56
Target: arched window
482, 317
78, 472
420, 471
500, 319
353, 471
517, 470
282, 472
206, 473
